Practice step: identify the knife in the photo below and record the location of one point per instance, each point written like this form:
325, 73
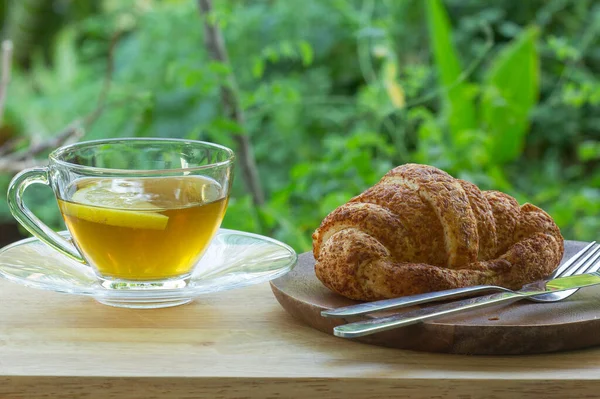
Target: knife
362, 328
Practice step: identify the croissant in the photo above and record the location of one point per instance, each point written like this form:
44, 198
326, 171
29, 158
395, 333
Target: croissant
421, 230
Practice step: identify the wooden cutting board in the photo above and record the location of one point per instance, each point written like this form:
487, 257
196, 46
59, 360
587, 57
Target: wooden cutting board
521, 328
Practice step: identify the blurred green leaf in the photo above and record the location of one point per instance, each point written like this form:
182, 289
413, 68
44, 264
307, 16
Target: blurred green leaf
458, 103
589, 151
227, 126
286, 49
563, 50
258, 68
306, 52
219, 68
511, 90
65, 57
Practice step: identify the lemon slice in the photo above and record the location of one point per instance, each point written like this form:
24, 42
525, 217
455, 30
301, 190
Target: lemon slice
115, 204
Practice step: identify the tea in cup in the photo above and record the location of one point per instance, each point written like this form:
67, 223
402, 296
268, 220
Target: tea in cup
141, 212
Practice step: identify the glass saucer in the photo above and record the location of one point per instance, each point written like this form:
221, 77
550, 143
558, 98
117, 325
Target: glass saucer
234, 259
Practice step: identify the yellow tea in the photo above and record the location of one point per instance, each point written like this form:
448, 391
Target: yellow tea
144, 228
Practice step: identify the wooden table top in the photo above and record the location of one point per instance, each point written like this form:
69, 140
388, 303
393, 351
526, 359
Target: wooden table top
241, 344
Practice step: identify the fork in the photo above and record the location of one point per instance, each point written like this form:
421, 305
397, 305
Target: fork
566, 269
588, 264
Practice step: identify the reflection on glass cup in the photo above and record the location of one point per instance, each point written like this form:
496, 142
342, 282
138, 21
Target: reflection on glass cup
141, 212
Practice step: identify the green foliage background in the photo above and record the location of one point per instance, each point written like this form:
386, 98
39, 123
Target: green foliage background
503, 93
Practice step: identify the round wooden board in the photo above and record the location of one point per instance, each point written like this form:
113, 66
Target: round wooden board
521, 328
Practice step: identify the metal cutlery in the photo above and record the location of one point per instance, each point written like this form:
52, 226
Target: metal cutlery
580, 271
568, 268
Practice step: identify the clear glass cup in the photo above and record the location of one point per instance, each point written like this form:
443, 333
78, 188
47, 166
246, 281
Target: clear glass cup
140, 211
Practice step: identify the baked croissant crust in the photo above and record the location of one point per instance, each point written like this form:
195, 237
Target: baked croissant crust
421, 230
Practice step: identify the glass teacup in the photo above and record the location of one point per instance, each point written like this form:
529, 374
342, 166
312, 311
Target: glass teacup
141, 212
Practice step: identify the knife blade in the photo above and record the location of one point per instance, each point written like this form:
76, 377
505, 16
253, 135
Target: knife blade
362, 328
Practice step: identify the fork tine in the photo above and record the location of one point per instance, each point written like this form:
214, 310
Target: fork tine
582, 264
565, 267
592, 265
596, 266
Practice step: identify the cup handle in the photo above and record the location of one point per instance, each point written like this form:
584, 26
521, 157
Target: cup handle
34, 225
